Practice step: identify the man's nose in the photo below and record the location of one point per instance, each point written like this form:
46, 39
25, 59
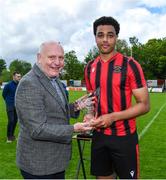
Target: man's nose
57, 61
105, 38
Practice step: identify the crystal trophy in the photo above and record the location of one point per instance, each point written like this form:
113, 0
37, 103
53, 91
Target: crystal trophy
90, 109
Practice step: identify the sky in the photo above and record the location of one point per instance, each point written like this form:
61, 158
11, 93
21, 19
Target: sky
25, 24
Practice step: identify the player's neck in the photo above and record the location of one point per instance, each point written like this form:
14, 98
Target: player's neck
106, 57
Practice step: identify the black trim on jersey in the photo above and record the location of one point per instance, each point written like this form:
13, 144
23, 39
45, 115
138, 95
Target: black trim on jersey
109, 93
123, 84
136, 74
109, 86
97, 84
122, 92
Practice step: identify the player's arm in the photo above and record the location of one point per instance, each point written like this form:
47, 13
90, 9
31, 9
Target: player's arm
142, 106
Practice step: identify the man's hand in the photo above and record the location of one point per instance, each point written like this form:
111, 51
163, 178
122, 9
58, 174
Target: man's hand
82, 127
102, 121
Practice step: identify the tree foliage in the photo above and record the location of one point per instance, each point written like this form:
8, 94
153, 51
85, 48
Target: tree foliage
122, 47
73, 68
154, 58
21, 66
92, 54
2, 65
5, 76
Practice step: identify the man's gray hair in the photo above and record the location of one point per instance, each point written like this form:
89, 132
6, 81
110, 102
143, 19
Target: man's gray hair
46, 43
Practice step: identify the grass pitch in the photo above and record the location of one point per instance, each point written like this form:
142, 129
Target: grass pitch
152, 143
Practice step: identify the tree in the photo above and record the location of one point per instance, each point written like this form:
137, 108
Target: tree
133, 41
162, 67
122, 47
92, 54
5, 76
2, 65
153, 58
73, 68
19, 65
135, 47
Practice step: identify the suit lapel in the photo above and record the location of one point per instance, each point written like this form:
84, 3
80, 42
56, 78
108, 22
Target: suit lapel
45, 81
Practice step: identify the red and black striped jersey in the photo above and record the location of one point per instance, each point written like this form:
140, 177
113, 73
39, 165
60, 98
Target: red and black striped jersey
116, 79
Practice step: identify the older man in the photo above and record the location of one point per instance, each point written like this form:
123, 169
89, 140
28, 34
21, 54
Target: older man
44, 143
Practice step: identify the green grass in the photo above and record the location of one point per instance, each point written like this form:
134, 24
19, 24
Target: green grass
8, 169
152, 144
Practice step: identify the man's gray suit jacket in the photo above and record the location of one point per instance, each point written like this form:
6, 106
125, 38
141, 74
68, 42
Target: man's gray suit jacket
44, 142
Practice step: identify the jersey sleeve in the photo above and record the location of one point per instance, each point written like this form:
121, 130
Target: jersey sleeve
136, 75
87, 77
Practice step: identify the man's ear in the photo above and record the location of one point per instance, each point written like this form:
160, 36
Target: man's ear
38, 58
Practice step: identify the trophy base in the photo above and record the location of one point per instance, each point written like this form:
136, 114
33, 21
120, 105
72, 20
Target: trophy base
85, 135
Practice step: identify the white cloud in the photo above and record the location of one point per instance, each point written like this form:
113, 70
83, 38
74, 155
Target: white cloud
143, 24
26, 24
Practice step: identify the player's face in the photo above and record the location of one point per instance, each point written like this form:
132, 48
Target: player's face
106, 39
51, 60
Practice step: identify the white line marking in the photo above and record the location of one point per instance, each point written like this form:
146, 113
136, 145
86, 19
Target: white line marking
150, 123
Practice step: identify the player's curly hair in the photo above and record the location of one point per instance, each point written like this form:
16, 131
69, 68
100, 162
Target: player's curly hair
106, 20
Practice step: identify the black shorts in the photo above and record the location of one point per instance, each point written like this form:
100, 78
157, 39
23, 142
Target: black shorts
115, 154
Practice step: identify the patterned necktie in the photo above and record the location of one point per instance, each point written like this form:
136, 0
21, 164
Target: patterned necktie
59, 91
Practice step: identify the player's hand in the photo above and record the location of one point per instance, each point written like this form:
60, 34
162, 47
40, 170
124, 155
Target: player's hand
82, 127
102, 121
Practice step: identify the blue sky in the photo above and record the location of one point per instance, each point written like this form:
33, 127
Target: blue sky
25, 24
156, 10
